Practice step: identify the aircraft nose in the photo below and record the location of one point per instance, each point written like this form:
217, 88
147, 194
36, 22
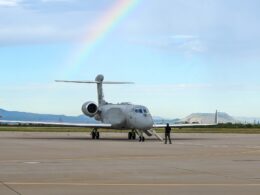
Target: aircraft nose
147, 122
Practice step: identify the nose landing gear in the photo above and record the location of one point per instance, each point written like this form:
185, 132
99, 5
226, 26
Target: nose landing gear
141, 139
140, 134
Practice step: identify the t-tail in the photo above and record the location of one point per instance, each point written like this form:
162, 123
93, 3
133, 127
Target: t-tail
99, 81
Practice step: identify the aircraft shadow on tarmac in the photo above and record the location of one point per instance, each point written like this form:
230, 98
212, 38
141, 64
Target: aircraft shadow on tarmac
104, 139
84, 139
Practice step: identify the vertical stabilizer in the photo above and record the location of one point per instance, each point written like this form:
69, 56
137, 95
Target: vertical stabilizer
99, 79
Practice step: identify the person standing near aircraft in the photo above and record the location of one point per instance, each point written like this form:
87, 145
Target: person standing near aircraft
168, 133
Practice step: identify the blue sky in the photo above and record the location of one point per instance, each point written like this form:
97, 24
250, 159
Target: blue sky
184, 56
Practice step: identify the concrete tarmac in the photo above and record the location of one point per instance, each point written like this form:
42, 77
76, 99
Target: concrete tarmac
72, 163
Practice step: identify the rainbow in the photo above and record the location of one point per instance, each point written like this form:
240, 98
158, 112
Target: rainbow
98, 32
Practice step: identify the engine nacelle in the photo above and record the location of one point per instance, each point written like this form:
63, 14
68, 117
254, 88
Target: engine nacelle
89, 108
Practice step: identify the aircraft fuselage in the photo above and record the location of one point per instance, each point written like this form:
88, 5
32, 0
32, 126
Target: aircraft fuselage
125, 116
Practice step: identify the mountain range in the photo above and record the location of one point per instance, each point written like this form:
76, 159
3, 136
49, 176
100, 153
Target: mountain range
192, 118
26, 116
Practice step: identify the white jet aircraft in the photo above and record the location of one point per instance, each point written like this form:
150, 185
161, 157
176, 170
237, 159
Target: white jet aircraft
123, 116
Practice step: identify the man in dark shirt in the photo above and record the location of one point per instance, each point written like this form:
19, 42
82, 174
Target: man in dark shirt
168, 134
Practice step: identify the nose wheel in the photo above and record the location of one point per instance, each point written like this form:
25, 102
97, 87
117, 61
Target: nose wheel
95, 134
141, 139
134, 132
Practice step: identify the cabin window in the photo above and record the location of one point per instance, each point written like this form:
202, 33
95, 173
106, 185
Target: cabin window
145, 111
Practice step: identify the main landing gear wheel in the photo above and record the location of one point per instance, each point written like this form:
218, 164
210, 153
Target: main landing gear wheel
95, 134
131, 135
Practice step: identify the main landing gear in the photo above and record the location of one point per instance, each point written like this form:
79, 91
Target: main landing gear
132, 135
95, 134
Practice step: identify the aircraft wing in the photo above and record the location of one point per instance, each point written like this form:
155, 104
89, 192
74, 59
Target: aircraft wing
189, 124
182, 125
98, 125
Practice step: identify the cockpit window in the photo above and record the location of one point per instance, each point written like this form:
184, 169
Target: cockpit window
141, 110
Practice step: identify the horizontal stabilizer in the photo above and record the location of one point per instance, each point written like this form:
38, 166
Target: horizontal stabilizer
65, 81
96, 82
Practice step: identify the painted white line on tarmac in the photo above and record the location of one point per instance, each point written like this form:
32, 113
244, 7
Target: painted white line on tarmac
32, 162
136, 184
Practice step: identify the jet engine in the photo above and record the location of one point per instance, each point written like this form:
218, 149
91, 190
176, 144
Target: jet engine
90, 108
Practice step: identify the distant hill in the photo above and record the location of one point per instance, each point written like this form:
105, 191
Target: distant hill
192, 118
209, 118
26, 116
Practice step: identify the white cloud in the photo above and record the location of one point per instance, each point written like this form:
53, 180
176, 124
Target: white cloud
193, 45
9, 3
29, 34
22, 24
184, 37
187, 44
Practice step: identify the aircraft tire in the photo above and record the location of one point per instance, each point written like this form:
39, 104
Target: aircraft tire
129, 135
143, 139
97, 135
93, 135
134, 136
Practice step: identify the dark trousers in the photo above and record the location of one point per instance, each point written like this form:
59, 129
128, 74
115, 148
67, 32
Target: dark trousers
168, 137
